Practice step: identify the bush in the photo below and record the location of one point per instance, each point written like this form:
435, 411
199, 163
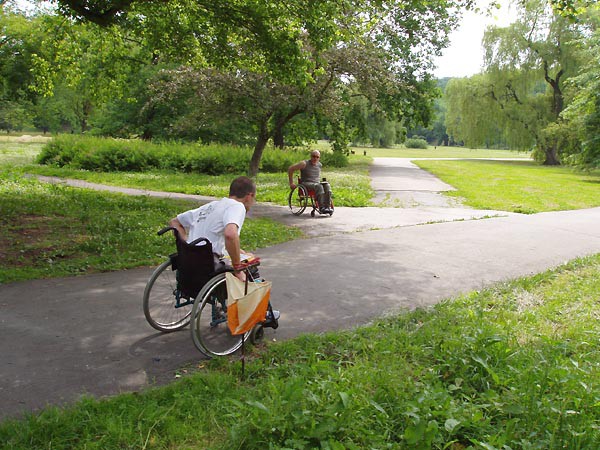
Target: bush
116, 155
416, 143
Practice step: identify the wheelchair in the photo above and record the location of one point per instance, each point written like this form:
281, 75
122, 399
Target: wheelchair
189, 287
300, 197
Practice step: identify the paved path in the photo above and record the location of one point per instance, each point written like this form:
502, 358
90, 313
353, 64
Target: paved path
65, 337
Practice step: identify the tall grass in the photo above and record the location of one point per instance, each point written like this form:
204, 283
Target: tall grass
514, 366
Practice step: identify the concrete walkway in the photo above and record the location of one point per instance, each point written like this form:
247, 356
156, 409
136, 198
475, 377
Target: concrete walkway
66, 337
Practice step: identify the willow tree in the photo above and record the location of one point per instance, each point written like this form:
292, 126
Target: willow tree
473, 116
526, 66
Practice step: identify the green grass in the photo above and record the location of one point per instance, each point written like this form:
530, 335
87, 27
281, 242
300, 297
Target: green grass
18, 153
515, 366
55, 231
52, 230
518, 186
440, 152
351, 184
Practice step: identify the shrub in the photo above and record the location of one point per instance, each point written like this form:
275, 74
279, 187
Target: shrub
334, 159
110, 155
416, 143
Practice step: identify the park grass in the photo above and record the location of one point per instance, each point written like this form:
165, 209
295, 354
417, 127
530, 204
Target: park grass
53, 230
43, 240
517, 186
440, 152
352, 183
513, 366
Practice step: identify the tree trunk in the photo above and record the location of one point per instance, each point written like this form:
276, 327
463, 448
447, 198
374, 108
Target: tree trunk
278, 137
551, 152
261, 143
86, 110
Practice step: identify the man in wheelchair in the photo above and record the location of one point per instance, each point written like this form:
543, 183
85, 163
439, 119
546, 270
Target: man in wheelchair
221, 222
310, 176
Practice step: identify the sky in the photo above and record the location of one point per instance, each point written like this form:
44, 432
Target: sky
464, 57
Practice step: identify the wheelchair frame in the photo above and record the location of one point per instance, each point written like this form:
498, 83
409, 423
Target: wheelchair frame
300, 196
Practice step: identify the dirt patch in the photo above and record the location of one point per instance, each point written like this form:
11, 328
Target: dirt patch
35, 241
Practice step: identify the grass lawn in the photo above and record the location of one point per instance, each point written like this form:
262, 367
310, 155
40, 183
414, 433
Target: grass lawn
351, 184
439, 152
518, 186
515, 366
52, 230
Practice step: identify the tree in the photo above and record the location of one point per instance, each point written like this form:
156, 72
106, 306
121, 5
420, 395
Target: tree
522, 93
583, 114
20, 39
288, 45
385, 60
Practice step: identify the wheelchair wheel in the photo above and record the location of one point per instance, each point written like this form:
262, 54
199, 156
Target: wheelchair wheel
160, 301
298, 200
210, 332
257, 334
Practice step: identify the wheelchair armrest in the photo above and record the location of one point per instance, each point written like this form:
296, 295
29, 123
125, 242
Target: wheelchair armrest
165, 229
247, 263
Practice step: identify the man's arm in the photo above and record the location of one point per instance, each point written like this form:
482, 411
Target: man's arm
299, 166
175, 223
232, 245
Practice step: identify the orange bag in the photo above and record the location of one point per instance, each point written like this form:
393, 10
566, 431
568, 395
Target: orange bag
244, 310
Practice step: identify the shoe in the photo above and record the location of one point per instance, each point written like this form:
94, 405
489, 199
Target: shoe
274, 316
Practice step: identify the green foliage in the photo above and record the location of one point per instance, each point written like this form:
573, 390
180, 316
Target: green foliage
518, 101
416, 143
110, 155
490, 370
583, 114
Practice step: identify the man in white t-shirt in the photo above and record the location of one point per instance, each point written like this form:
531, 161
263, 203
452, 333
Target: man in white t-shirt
220, 221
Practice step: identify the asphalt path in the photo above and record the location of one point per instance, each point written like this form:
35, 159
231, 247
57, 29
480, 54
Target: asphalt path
67, 337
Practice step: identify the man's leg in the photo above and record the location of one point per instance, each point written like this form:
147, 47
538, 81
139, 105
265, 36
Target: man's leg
320, 194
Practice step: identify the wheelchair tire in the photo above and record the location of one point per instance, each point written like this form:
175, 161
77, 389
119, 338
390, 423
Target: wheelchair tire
257, 334
209, 329
298, 200
159, 301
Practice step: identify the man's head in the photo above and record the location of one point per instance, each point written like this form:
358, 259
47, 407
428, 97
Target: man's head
315, 155
243, 189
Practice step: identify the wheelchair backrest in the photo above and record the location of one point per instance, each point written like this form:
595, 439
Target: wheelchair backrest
195, 265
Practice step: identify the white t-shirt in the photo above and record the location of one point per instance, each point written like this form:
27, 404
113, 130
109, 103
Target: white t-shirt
209, 221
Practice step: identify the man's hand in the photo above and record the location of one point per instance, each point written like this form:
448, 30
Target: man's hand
240, 274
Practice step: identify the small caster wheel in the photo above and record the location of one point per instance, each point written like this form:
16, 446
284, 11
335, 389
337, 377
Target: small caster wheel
312, 213
257, 334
